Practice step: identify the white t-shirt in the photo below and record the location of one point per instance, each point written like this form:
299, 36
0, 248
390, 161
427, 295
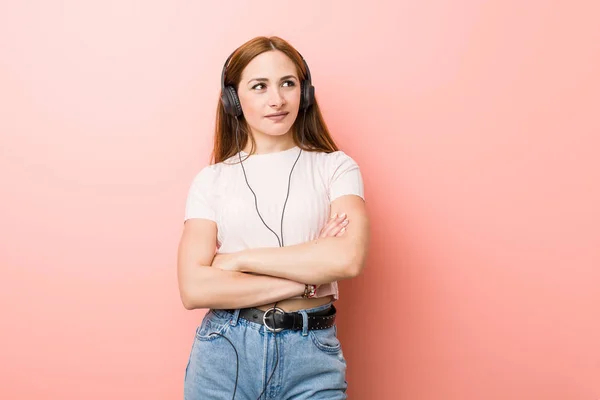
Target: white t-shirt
219, 192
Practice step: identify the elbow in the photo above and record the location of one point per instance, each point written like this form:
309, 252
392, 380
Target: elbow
193, 303
353, 270
194, 288
190, 299
185, 293
187, 305
352, 265
353, 258
187, 301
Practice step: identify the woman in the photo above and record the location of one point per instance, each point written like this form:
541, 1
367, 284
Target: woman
284, 210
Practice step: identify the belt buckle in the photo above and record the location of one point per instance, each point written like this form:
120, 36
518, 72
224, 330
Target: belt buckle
274, 309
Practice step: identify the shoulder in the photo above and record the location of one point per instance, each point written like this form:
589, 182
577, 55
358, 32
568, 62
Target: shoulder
334, 160
208, 176
340, 157
341, 173
206, 173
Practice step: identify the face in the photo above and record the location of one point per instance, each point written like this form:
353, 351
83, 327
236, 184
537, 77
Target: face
269, 93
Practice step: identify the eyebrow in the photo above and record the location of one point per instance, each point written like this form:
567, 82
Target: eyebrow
266, 80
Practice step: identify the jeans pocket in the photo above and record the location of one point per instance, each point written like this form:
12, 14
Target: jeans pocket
212, 325
326, 340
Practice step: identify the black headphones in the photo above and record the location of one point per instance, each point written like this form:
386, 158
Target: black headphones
231, 101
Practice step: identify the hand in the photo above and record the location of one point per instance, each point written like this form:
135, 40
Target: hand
335, 226
226, 262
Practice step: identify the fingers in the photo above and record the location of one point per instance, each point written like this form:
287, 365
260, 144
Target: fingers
335, 226
328, 227
332, 222
342, 227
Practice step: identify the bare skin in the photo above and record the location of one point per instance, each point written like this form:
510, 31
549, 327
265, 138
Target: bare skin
336, 226
270, 88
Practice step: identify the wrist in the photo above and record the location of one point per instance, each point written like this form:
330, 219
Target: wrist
241, 262
310, 291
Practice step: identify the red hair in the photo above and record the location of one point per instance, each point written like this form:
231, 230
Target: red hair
315, 135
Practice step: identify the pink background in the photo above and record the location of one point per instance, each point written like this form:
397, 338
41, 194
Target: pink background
476, 127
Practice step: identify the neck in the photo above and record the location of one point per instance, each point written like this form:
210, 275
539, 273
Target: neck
270, 144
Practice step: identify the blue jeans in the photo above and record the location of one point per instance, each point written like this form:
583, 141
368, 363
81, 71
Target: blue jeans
310, 363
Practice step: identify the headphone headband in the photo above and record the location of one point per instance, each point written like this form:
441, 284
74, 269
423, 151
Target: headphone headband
225, 69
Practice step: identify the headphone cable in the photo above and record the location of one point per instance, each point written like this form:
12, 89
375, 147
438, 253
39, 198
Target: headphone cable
280, 243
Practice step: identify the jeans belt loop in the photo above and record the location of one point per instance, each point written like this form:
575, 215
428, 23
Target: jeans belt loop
304, 322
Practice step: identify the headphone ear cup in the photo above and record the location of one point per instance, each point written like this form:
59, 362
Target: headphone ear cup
308, 95
231, 102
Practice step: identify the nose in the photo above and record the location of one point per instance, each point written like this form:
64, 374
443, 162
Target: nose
276, 100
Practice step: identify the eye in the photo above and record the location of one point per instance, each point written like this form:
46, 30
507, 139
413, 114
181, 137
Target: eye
289, 83
256, 87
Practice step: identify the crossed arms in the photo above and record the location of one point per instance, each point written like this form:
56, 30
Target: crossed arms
259, 276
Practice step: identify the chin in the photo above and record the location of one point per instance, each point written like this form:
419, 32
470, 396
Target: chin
277, 131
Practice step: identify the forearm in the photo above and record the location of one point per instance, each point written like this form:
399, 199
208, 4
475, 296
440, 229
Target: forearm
316, 262
207, 287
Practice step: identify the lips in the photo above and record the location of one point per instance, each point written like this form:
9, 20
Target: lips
277, 116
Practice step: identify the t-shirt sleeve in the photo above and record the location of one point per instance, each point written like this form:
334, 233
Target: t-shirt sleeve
200, 199
346, 177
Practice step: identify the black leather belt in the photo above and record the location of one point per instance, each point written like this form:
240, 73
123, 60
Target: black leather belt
276, 320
